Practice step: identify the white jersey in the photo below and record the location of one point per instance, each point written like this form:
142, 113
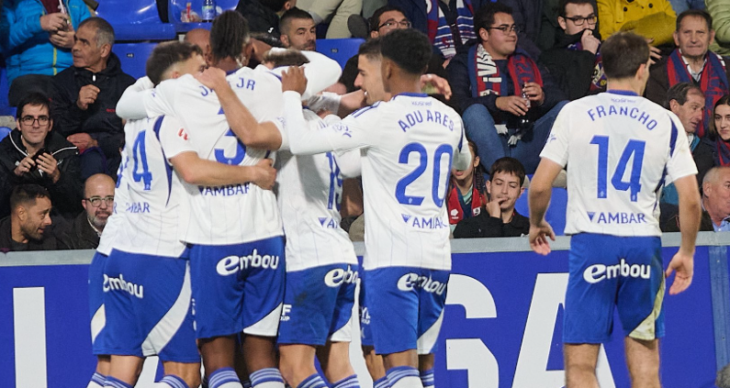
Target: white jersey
237, 213
407, 147
154, 207
620, 149
310, 190
115, 221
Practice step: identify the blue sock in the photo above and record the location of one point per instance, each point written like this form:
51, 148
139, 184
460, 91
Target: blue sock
111, 382
97, 379
400, 372
247, 384
223, 376
347, 382
382, 383
427, 378
173, 381
313, 381
265, 375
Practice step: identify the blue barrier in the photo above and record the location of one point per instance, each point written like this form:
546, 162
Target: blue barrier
502, 323
555, 213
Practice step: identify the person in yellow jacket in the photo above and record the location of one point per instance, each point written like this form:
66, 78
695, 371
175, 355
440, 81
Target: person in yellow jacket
652, 19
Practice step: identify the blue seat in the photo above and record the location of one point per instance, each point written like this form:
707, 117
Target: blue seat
4, 90
339, 49
134, 57
135, 20
555, 214
4, 132
175, 9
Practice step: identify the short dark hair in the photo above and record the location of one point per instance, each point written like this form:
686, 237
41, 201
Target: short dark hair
724, 100
409, 49
698, 13
484, 17
274, 5
680, 91
510, 166
370, 49
167, 54
294, 13
228, 35
104, 30
374, 20
33, 98
564, 3
288, 57
623, 53
27, 193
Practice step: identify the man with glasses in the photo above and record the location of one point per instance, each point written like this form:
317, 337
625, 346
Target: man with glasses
575, 61
98, 203
33, 153
509, 103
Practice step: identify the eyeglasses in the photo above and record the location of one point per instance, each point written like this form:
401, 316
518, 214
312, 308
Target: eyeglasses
394, 24
30, 120
96, 201
507, 29
578, 20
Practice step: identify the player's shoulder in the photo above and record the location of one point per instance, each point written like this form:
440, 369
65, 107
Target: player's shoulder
369, 111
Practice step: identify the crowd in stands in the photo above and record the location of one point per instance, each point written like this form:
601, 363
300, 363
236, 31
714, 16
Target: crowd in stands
511, 65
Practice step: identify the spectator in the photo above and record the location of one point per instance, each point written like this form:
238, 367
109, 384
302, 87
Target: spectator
466, 195
40, 35
692, 62
336, 11
720, 13
687, 102
34, 153
28, 228
448, 24
298, 30
86, 95
716, 197
384, 20
98, 203
509, 102
200, 37
500, 219
720, 131
652, 22
263, 15
575, 61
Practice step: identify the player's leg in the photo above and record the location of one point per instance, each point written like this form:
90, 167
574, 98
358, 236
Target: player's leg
297, 364
177, 373
432, 299
642, 358
103, 363
373, 361
124, 371
580, 365
426, 363
98, 320
334, 358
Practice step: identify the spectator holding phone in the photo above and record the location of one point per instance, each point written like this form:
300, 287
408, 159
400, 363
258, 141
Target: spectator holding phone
33, 153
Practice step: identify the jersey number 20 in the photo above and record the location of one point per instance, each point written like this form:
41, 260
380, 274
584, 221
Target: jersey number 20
423, 158
635, 148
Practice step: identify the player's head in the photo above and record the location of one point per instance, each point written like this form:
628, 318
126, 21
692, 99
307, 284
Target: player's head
720, 123
576, 16
229, 39
496, 29
30, 209
386, 19
473, 171
173, 59
33, 119
694, 33
716, 192
98, 199
505, 184
369, 77
289, 57
298, 30
200, 37
687, 102
626, 57
405, 56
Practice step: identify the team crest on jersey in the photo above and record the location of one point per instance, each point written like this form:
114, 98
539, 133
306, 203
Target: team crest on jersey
182, 134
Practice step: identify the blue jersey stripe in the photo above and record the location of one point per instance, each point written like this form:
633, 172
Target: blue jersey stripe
168, 168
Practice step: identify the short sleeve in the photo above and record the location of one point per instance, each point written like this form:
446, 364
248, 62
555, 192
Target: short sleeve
681, 163
174, 138
556, 148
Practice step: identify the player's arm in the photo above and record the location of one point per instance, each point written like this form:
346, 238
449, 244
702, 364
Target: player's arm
196, 171
321, 72
141, 100
541, 188
264, 135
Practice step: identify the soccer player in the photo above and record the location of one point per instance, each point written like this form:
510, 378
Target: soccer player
407, 146
620, 148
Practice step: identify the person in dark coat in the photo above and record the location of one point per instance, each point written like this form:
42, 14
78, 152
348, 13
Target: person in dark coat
33, 153
29, 226
86, 95
263, 15
85, 231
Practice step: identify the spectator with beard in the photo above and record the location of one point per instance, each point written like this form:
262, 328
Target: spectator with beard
28, 228
98, 202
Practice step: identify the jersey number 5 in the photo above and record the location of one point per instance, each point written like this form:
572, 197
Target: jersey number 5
420, 150
635, 148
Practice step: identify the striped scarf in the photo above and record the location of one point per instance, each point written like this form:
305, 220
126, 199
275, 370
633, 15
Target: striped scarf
722, 149
448, 37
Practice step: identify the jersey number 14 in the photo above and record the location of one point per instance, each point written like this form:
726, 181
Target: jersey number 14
633, 147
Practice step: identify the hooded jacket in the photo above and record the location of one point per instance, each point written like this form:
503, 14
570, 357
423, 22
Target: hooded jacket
79, 234
572, 70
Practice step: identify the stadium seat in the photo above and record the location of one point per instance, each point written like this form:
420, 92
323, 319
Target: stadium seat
134, 57
339, 49
135, 20
177, 7
4, 132
4, 89
555, 214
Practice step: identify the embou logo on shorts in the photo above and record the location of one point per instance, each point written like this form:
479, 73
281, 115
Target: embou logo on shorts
337, 276
410, 281
232, 264
598, 272
119, 284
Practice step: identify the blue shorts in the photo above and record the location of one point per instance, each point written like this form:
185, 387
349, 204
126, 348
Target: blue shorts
406, 306
608, 272
366, 334
97, 312
318, 305
148, 307
238, 288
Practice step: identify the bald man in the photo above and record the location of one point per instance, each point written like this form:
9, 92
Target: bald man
200, 37
716, 197
98, 203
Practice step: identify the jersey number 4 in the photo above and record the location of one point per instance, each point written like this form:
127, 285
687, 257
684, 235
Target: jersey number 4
635, 148
423, 159
139, 152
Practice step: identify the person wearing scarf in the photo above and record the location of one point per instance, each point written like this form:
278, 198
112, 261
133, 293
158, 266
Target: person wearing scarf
493, 82
720, 131
692, 62
466, 194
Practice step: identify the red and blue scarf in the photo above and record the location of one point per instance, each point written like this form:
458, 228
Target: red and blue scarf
453, 204
713, 82
599, 81
722, 150
441, 34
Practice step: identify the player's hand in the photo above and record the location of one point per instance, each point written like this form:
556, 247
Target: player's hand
265, 174
433, 84
293, 79
684, 265
589, 42
655, 55
54, 22
63, 39
87, 96
534, 92
24, 166
82, 141
539, 237
512, 104
48, 164
212, 78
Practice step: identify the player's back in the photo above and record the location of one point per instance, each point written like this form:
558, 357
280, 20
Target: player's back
405, 176
621, 149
